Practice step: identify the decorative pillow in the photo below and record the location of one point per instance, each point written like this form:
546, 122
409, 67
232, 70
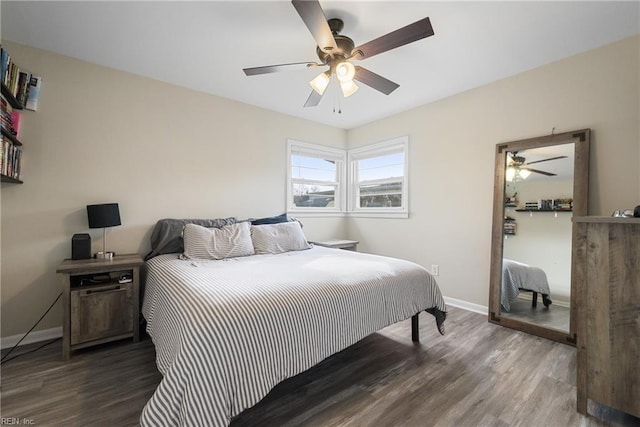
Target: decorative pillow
271, 220
217, 243
278, 238
166, 237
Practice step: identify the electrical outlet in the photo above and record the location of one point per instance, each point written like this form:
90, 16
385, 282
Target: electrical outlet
435, 269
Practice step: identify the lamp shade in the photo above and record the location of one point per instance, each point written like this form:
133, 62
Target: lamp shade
345, 71
348, 88
104, 215
320, 83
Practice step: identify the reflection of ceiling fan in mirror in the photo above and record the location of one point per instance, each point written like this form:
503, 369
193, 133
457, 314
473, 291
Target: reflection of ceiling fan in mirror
336, 51
518, 167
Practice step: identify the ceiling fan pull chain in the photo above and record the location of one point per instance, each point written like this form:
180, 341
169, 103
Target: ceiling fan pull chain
336, 99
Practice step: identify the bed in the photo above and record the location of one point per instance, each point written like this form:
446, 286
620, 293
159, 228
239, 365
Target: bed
227, 331
517, 276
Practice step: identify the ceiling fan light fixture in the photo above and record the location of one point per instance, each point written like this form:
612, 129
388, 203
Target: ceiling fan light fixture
345, 71
348, 88
320, 83
515, 173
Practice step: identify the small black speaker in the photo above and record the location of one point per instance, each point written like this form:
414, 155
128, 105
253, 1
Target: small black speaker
81, 246
636, 212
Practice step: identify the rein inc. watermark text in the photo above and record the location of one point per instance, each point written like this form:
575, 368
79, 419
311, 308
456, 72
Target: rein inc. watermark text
16, 421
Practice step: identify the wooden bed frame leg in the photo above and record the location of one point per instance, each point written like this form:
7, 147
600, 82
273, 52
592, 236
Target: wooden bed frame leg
534, 300
415, 333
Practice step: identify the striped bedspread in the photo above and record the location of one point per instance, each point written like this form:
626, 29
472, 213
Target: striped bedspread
516, 276
226, 332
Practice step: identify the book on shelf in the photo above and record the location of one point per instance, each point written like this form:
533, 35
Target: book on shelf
15, 122
23, 87
546, 204
511, 201
33, 93
7, 117
563, 204
16, 80
10, 159
5, 65
510, 228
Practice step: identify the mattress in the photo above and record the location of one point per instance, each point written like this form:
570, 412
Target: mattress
517, 276
227, 331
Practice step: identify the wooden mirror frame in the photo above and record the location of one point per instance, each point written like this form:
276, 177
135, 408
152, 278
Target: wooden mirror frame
582, 140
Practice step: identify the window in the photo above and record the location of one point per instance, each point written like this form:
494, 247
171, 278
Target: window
315, 178
378, 183
377, 179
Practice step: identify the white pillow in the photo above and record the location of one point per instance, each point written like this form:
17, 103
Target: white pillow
217, 243
278, 238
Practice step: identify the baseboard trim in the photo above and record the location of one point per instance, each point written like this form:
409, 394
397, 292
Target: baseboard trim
49, 334
465, 305
33, 337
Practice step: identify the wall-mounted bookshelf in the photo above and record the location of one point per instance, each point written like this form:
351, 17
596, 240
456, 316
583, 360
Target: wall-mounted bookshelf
13, 101
10, 145
19, 89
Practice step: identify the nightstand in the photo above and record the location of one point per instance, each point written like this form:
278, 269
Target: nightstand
349, 245
101, 300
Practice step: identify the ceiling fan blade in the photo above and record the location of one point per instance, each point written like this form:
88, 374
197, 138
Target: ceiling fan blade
546, 160
539, 171
375, 81
313, 100
405, 35
279, 67
313, 17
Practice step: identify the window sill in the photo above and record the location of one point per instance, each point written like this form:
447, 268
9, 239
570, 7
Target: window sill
396, 215
360, 214
315, 214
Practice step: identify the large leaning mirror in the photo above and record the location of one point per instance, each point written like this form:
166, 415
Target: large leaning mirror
540, 184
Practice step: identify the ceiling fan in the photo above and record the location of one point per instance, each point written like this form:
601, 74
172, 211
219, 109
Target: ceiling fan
336, 51
517, 166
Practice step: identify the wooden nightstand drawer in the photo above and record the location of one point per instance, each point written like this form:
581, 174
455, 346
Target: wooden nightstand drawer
99, 312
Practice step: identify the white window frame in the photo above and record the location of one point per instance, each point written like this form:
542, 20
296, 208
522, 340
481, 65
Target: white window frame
323, 152
395, 145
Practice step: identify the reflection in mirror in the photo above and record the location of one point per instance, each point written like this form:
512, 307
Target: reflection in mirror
540, 184
537, 236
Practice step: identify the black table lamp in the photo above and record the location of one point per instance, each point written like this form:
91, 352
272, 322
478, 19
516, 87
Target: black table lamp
103, 216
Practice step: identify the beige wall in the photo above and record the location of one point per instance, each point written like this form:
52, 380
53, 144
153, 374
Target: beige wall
452, 144
158, 150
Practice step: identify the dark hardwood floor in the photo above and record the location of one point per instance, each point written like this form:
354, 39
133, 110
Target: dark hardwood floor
479, 374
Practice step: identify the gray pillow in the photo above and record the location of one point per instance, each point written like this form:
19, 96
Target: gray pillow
166, 237
271, 220
278, 238
230, 241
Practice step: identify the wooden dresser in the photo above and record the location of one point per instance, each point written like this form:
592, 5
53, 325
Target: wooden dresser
607, 273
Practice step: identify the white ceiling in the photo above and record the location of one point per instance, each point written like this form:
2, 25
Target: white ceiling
205, 45
563, 168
